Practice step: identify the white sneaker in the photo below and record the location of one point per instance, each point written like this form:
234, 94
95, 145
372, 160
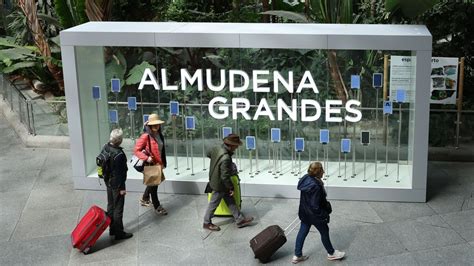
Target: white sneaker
297, 259
337, 255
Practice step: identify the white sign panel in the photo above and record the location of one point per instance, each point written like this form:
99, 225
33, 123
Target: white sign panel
402, 76
444, 80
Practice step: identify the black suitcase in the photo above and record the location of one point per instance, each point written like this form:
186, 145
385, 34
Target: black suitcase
267, 242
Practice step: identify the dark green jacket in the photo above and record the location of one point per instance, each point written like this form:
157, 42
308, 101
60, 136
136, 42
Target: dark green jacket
220, 169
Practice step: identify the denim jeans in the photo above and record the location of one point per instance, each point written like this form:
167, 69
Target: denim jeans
303, 232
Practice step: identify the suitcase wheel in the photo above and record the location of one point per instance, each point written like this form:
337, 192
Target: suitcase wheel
86, 250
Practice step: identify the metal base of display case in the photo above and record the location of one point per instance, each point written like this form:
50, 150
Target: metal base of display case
265, 184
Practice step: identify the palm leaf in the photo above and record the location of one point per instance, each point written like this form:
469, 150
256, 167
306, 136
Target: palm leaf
135, 74
296, 17
18, 66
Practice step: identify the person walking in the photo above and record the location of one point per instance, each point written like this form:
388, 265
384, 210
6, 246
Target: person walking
314, 210
220, 172
116, 190
150, 147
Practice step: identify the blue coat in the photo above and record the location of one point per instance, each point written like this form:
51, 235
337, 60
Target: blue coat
312, 200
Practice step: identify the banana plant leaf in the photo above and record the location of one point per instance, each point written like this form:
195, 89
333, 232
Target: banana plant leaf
18, 66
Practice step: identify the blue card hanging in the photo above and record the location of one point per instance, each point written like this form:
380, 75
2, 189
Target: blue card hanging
299, 144
96, 93
275, 135
355, 82
401, 95
132, 103
115, 85
250, 142
145, 118
345, 145
174, 108
324, 136
377, 79
226, 131
387, 108
113, 116
190, 123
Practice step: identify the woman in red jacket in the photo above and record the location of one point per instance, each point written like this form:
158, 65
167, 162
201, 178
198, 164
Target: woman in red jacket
150, 147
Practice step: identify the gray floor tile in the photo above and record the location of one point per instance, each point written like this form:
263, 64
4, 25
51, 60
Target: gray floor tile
54, 197
396, 211
52, 250
425, 233
38, 223
406, 259
446, 203
106, 250
113, 262
462, 222
162, 254
56, 169
22, 181
451, 255
344, 215
11, 207
373, 241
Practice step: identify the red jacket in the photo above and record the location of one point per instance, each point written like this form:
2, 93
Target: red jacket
143, 144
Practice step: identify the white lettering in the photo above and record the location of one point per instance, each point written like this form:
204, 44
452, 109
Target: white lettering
356, 112
311, 85
187, 78
164, 82
315, 104
330, 111
292, 113
240, 105
243, 77
148, 79
209, 80
263, 109
224, 109
256, 81
277, 78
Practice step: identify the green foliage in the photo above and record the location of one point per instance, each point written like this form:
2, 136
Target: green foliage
135, 74
70, 12
410, 9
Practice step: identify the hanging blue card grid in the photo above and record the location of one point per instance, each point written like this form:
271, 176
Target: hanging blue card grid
275, 135
345, 145
299, 144
377, 80
145, 118
355, 82
226, 131
190, 123
324, 136
132, 103
387, 107
401, 95
250, 142
96, 93
115, 85
174, 108
113, 116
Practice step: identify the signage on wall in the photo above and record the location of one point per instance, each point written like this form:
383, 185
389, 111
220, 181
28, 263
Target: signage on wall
324, 136
345, 145
402, 75
190, 123
174, 108
444, 80
115, 85
132, 103
257, 82
377, 80
355, 82
226, 131
113, 116
387, 107
96, 93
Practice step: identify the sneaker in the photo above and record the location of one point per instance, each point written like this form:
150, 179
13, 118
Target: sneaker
145, 203
123, 235
245, 222
297, 259
337, 255
161, 210
211, 226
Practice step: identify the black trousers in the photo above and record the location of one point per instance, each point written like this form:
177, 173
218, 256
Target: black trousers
115, 203
152, 191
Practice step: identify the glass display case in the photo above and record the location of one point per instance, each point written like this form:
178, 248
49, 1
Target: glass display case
339, 94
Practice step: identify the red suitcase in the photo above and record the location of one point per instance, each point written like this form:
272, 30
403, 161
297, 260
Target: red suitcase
89, 229
267, 242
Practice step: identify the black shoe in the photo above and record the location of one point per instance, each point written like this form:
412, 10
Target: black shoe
123, 235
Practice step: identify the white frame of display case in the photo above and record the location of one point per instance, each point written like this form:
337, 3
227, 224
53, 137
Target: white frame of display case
414, 38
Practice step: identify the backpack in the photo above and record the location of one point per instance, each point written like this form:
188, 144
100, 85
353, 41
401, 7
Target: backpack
105, 162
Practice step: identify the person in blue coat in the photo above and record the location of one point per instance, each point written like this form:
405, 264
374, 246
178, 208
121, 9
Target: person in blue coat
314, 210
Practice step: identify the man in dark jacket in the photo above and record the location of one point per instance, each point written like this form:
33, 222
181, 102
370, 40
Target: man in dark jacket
116, 185
220, 172
314, 210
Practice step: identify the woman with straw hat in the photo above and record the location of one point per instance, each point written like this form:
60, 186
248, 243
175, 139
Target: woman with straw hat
150, 147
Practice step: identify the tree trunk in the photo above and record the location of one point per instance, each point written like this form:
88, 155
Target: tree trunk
336, 76
98, 10
266, 6
29, 9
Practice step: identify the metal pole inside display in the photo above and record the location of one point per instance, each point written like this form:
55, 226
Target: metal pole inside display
132, 123
251, 168
256, 154
175, 147
202, 139
365, 157
327, 160
376, 127
345, 166
98, 123
269, 153
291, 147
339, 152
281, 160
192, 153
185, 137
386, 147
399, 136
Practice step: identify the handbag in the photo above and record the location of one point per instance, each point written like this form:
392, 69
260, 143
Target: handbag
136, 162
153, 175
328, 207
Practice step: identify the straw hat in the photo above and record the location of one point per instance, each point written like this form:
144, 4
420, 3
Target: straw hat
233, 139
154, 119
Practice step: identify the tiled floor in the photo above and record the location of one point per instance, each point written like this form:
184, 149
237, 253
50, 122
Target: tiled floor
39, 208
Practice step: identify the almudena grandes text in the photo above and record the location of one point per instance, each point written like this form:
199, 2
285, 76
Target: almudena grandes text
308, 109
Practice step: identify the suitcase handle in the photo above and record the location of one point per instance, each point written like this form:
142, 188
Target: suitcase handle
293, 225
